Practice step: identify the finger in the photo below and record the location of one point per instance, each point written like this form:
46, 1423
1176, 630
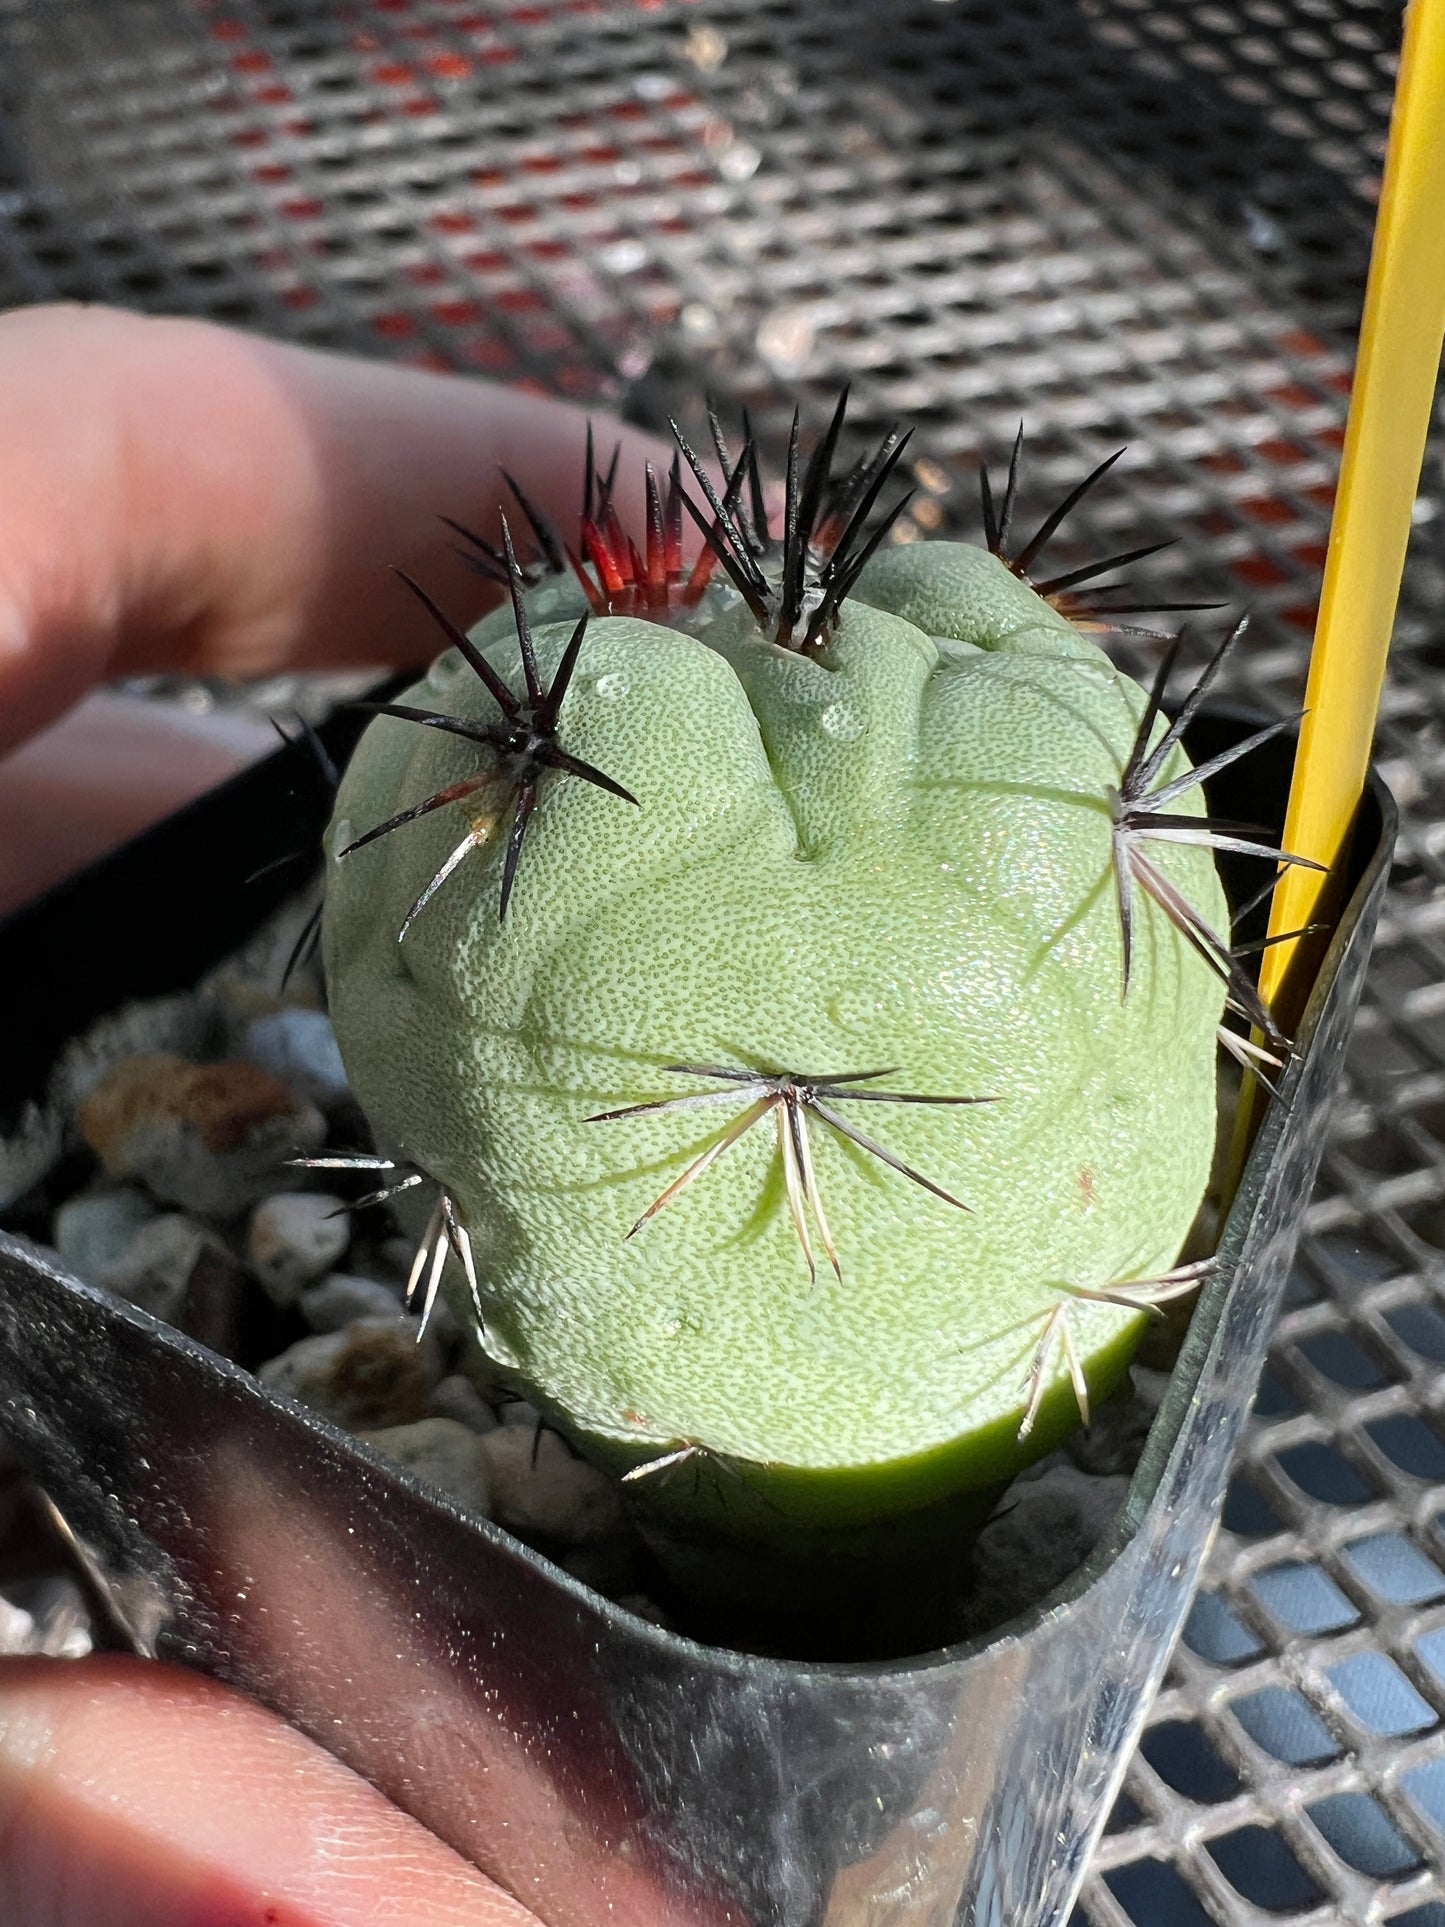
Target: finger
112, 767
133, 1794
174, 495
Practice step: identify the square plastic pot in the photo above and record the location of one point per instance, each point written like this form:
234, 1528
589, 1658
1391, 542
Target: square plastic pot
604, 1770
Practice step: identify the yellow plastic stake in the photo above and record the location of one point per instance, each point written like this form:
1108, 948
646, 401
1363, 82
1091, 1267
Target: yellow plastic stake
1395, 375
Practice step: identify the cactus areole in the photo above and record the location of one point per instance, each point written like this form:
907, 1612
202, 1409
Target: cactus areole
799, 971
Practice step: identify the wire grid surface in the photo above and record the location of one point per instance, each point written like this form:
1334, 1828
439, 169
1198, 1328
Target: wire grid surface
1125, 221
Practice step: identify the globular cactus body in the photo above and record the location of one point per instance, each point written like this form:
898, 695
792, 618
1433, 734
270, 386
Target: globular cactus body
892, 852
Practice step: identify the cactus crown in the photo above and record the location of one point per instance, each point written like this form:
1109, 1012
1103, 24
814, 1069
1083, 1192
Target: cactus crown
794, 582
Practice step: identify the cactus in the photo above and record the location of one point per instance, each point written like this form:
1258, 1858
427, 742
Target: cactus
800, 972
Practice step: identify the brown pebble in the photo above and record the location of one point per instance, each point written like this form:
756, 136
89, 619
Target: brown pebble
223, 1103
382, 1377
369, 1375
211, 1137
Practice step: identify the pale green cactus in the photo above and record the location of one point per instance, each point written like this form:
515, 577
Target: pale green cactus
902, 853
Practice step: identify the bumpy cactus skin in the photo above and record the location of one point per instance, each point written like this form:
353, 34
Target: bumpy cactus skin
894, 852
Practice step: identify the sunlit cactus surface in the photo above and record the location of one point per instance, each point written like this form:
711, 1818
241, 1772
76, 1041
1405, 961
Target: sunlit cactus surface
795, 963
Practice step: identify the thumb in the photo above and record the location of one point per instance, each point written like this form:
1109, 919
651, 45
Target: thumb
132, 1794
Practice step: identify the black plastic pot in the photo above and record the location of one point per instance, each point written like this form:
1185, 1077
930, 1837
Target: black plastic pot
602, 1769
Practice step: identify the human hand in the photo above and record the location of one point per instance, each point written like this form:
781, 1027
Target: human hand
136, 1795
174, 496
177, 496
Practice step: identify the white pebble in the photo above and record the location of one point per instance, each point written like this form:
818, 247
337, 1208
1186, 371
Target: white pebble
157, 1268
55, 1621
538, 1487
118, 1240
17, 1628
293, 1238
516, 1411
343, 1298
299, 1047
94, 1234
442, 1451
457, 1398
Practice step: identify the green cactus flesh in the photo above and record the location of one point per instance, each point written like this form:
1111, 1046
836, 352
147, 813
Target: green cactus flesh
894, 851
